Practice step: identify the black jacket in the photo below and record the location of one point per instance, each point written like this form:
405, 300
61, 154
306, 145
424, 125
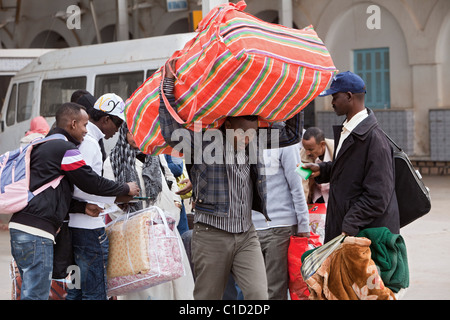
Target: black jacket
362, 182
54, 158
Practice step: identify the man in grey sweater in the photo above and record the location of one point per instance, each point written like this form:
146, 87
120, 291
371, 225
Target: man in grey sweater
287, 208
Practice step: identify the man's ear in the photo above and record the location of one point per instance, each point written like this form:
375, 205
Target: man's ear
105, 119
73, 124
350, 96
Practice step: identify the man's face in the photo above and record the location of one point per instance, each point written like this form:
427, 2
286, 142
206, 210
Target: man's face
341, 103
131, 141
78, 126
313, 149
244, 131
110, 126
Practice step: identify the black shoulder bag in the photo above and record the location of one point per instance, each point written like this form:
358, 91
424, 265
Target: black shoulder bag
413, 196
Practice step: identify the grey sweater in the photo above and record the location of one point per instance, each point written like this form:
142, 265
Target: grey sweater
286, 204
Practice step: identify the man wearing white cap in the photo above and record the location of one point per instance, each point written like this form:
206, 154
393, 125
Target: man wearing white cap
90, 243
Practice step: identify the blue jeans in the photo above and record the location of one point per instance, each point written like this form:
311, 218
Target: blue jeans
90, 249
34, 259
183, 223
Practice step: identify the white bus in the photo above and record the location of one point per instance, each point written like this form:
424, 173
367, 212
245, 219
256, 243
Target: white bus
12, 61
49, 81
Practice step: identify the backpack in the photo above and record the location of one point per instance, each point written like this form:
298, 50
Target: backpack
15, 177
413, 196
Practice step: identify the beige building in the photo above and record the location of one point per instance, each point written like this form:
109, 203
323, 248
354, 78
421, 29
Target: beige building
400, 47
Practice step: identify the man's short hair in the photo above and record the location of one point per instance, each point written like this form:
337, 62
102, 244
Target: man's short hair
67, 112
77, 95
96, 115
84, 98
315, 132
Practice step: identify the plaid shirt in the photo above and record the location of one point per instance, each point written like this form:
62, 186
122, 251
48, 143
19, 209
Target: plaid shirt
210, 180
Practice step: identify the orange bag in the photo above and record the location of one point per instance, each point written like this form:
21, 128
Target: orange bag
236, 65
298, 289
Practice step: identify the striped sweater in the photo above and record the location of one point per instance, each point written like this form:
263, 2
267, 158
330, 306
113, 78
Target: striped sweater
49, 160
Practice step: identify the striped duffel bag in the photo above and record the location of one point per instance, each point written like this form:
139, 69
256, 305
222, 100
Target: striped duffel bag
236, 65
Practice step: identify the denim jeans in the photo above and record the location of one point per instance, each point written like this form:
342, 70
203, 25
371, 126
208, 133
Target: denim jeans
90, 248
34, 259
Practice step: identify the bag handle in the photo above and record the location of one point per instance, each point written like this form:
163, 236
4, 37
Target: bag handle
169, 108
240, 6
213, 19
163, 218
55, 182
205, 73
392, 141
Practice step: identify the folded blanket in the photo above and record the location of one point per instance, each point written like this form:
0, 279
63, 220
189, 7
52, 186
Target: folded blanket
389, 254
349, 273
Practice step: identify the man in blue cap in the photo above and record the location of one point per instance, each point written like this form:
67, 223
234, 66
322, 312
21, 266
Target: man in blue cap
361, 175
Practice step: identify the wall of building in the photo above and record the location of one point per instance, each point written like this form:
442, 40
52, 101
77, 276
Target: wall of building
417, 33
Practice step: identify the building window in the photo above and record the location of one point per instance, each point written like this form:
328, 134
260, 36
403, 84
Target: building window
373, 66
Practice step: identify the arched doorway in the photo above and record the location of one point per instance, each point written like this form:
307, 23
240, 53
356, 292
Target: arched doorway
179, 26
108, 34
49, 39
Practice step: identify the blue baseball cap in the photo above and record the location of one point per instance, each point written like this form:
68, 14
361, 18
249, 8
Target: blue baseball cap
345, 82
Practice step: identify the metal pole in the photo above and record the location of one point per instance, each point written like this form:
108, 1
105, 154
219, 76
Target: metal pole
285, 13
94, 17
122, 20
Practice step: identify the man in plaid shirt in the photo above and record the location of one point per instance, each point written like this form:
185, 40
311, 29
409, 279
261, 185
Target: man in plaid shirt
225, 191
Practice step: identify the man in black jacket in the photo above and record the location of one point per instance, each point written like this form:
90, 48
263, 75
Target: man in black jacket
34, 228
361, 175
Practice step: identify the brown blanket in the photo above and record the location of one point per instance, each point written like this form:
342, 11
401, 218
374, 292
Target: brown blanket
349, 273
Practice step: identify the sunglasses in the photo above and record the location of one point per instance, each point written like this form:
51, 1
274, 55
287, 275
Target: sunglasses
116, 120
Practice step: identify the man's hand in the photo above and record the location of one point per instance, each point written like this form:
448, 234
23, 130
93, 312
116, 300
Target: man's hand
170, 69
92, 210
314, 167
304, 234
187, 187
134, 189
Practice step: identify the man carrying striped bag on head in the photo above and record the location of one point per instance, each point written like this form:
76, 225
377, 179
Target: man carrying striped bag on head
34, 228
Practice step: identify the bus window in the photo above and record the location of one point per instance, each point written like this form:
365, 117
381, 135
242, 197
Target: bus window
25, 101
55, 92
11, 111
150, 72
4, 84
122, 84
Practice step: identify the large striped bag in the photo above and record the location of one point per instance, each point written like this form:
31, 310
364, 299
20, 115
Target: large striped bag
236, 65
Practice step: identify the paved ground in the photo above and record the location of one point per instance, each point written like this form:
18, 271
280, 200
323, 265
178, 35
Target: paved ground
427, 241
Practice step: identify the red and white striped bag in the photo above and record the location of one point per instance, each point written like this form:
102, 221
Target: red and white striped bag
236, 65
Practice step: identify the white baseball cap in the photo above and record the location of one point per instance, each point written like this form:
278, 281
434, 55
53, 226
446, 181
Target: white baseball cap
111, 104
